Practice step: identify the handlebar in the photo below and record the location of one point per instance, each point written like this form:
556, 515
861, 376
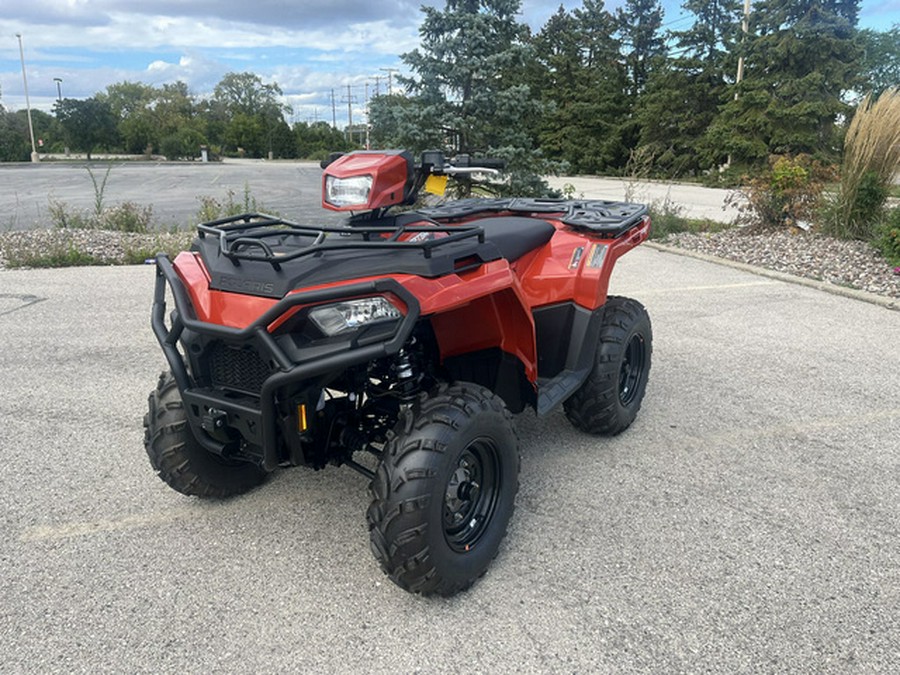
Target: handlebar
433, 161
465, 161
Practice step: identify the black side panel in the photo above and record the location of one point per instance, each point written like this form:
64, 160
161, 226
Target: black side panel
500, 372
553, 330
566, 343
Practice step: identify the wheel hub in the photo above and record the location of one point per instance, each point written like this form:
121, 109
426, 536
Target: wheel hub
470, 496
631, 370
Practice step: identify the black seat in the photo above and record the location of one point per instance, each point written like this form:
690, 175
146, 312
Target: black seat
514, 236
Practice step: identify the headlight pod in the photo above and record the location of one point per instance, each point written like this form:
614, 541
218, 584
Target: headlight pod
343, 317
352, 191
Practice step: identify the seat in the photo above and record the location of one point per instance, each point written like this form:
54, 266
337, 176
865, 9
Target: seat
514, 236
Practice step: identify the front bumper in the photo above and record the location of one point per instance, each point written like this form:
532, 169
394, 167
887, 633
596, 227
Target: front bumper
256, 420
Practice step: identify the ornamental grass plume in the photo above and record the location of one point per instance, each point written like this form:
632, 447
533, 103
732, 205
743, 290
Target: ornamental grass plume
871, 160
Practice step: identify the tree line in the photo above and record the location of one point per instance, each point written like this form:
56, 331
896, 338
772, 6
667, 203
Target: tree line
244, 116
592, 91
596, 91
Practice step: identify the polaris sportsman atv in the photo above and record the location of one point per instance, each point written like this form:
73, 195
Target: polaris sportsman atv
397, 344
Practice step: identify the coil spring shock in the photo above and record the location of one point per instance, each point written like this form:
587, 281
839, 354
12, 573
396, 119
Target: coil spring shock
407, 378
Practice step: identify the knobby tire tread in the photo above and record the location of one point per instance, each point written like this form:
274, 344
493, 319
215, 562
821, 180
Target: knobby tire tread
410, 473
179, 460
595, 407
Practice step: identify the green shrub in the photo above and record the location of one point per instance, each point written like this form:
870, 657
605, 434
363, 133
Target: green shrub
65, 218
213, 209
787, 194
126, 217
888, 241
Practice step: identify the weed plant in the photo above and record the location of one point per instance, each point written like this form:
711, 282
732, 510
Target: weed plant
214, 209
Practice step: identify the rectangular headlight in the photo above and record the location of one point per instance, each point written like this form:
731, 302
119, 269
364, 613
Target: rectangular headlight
342, 317
352, 191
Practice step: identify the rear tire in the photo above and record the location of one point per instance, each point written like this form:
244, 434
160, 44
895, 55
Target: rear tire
608, 401
445, 490
180, 461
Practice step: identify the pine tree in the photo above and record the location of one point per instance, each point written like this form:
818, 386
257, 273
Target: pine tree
682, 95
800, 61
467, 90
640, 24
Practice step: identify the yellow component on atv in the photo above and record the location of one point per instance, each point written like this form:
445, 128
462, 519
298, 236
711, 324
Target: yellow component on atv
436, 185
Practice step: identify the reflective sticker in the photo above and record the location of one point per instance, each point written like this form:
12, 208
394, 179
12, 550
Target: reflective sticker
576, 257
598, 253
436, 185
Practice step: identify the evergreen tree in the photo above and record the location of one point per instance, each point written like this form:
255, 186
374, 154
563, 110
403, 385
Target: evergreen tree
639, 25
801, 59
880, 59
582, 82
467, 90
682, 95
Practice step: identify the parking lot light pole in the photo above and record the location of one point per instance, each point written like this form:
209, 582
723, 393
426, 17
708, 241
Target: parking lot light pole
35, 157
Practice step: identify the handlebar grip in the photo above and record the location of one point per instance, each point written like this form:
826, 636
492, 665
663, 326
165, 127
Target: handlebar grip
466, 161
488, 163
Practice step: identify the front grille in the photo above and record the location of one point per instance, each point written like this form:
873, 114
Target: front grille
240, 369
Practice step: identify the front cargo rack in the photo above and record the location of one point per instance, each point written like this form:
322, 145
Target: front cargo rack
250, 236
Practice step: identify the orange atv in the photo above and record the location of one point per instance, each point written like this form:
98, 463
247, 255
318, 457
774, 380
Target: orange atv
397, 344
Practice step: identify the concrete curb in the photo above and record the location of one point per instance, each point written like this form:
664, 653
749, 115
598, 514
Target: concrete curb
856, 294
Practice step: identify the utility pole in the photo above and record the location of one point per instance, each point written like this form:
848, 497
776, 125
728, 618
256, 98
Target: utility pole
333, 111
350, 100
367, 116
745, 27
58, 81
35, 157
390, 72
377, 86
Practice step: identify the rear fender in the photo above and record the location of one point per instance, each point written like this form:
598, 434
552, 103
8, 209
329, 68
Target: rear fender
600, 257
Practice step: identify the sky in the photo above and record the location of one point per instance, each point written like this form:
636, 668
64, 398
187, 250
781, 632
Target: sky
309, 47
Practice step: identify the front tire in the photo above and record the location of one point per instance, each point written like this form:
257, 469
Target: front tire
180, 461
445, 490
609, 400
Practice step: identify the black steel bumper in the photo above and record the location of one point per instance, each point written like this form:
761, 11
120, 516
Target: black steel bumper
263, 421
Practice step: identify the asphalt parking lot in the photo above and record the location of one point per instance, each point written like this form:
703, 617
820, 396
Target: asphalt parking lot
748, 520
174, 190
292, 189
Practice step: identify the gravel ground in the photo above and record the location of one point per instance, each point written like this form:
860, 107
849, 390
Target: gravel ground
104, 246
845, 263
854, 264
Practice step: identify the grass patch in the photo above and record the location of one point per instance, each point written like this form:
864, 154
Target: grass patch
70, 256
666, 218
71, 248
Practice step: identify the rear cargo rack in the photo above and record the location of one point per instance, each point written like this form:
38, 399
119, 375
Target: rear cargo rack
605, 218
248, 237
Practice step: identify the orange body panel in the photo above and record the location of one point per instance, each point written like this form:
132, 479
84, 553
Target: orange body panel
490, 306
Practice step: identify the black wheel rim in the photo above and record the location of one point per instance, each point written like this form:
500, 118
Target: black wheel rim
470, 496
632, 369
